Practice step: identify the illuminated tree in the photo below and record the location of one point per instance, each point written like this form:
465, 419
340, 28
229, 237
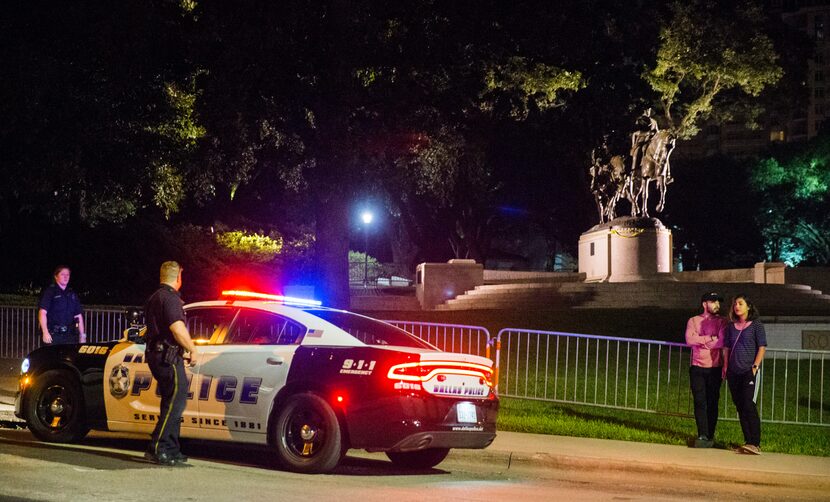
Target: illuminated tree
327, 96
706, 49
795, 194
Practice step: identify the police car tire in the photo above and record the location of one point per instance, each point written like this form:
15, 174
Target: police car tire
56, 385
326, 453
420, 459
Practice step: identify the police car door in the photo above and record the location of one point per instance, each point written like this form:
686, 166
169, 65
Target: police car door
242, 373
132, 402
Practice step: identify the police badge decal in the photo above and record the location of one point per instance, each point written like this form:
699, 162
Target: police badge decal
119, 381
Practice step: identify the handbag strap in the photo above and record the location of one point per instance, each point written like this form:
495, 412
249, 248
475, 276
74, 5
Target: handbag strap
732, 350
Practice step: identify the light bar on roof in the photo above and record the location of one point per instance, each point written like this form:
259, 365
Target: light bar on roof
265, 296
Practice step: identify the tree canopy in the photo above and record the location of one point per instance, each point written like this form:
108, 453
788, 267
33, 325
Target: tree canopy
332, 96
708, 48
794, 191
240, 134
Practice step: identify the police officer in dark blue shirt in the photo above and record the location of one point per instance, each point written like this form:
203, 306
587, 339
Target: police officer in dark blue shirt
167, 340
59, 310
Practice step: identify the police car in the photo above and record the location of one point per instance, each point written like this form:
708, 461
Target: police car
307, 381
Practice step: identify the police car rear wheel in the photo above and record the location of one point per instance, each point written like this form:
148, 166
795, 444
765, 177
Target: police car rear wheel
308, 435
55, 408
421, 459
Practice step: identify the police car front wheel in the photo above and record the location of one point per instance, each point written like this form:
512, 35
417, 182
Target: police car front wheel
308, 436
55, 408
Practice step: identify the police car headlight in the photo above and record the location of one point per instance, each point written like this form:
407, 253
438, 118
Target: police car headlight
24, 366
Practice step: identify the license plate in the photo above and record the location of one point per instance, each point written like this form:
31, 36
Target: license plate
466, 413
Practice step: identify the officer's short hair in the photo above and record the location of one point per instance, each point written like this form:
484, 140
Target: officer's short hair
169, 271
58, 270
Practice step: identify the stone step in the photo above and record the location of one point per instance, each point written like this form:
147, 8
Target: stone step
499, 306
798, 286
620, 303
529, 280
518, 287
627, 295
509, 301
384, 303
675, 296
703, 286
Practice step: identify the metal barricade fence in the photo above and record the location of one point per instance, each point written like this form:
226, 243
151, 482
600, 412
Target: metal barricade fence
793, 388
459, 338
624, 373
449, 337
611, 372
651, 376
20, 330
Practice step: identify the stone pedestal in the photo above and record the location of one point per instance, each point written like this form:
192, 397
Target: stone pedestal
770, 273
626, 249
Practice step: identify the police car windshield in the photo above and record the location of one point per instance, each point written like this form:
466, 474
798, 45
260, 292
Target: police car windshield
370, 331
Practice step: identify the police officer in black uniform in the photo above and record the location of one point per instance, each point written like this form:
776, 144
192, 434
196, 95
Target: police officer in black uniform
58, 311
167, 340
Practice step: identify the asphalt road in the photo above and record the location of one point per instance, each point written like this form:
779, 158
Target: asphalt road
109, 467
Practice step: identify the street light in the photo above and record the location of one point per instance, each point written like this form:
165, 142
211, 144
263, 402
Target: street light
367, 219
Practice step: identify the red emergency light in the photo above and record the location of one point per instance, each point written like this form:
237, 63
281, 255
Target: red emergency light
266, 296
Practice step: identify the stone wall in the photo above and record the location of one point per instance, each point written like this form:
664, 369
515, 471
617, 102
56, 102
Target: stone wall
801, 333
512, 276
763, 273
725, 275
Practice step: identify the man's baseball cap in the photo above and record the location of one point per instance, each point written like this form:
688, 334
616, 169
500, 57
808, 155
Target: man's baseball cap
711, 297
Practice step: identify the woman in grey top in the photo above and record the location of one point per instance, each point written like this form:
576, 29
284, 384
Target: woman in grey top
743, 351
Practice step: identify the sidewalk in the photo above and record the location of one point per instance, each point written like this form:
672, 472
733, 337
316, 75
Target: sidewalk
519, 451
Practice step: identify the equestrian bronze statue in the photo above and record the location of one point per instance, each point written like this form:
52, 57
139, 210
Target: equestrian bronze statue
614, 177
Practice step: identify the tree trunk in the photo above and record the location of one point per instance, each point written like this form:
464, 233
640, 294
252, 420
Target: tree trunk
404, 251
332, 249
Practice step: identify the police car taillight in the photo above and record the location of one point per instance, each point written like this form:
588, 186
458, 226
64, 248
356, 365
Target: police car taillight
424, 371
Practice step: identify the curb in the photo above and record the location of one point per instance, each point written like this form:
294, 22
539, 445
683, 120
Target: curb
536, 463
551, 465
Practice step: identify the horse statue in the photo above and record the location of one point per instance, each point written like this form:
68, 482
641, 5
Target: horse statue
614, 177
608, 181
654, 166
650, 152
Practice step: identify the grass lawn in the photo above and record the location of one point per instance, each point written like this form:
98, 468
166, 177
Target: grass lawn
521, 415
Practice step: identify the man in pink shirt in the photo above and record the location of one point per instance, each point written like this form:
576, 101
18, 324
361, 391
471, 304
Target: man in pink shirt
705, 334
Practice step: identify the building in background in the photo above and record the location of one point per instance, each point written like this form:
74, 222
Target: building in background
810, 17
800, 122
